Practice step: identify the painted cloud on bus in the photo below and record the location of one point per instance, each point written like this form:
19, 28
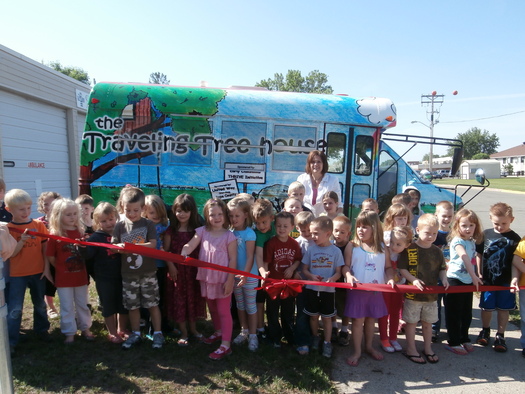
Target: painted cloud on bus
377, 109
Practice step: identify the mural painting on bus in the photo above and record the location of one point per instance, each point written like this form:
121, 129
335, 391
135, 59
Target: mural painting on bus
161, 138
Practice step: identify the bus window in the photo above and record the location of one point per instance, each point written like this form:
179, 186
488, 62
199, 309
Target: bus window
387, 180
336, 152
289, 142
243, 142
363, 155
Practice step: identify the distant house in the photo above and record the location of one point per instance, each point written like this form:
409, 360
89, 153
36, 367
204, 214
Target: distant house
468, 168
514, 156
438, 163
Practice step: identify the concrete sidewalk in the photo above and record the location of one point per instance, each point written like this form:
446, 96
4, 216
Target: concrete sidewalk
483, 370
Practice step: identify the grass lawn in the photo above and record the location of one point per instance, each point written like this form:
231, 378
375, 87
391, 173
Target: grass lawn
103, 367
509, 183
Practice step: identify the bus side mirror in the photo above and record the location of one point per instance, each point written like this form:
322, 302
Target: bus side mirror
480, 176
456, 161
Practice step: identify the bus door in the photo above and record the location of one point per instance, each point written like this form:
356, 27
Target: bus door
350, 157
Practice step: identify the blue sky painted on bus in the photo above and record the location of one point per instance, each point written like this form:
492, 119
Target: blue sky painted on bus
399, 50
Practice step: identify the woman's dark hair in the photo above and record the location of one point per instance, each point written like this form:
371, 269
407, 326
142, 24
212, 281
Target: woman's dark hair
310, 158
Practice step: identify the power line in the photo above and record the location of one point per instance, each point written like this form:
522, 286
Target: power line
490, 117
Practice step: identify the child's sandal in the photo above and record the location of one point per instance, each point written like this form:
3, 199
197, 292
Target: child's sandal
88, 336
459, 350
115, 339
182, 342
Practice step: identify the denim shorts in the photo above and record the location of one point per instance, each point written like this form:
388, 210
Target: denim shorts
503, 300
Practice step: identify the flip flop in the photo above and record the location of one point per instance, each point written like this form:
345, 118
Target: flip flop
352, 363
414, 358
459, 350
468, 347
431, 358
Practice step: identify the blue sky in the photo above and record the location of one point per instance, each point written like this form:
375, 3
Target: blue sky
395, 49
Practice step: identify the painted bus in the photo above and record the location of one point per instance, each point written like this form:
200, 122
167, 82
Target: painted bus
217, 142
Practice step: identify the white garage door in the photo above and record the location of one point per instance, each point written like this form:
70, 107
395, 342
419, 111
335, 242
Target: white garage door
34, 146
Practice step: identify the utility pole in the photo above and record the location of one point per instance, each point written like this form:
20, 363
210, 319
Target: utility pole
435, 100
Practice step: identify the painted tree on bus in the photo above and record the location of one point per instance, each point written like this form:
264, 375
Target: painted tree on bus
141, 112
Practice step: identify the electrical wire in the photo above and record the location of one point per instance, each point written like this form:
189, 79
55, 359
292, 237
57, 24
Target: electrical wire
489, 117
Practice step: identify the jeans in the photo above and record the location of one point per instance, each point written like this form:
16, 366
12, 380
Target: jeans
17, 291
302, 330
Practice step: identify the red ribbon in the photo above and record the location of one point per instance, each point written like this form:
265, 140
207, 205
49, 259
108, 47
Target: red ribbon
274, 287
282, 288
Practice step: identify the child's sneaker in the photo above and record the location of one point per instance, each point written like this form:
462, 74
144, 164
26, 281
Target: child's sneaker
499, 344
397, 347
327, 349
387, 347
216, 336
483, 337
220, 353
158, 341
132, 340
253, 343
304, 350
343, 338
241, 338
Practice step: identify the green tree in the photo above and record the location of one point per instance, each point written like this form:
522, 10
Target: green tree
481, 156
74, 72
476, 141
426, 157
159, 78
314, 82
509, 168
